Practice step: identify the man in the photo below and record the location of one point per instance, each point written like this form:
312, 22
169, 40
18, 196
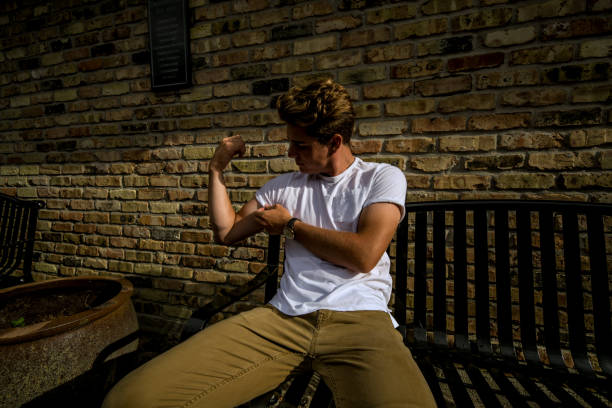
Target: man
338, 215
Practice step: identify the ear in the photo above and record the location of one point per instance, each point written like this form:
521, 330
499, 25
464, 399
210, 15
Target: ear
335, 142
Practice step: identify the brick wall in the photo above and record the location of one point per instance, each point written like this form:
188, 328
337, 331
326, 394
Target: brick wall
470, 98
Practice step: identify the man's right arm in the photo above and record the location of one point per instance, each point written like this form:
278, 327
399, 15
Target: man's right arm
228, 226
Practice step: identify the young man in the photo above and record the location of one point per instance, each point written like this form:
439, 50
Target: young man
338, 215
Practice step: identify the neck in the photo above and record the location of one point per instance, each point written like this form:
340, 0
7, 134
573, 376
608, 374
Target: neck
340, 161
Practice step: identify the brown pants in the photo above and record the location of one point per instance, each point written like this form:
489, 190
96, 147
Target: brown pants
361, 357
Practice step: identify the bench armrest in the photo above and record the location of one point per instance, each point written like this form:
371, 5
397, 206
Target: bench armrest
200, 317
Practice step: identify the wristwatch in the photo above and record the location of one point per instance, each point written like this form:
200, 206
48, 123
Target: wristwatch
288, 231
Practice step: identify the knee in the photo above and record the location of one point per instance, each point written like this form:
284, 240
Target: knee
125, 394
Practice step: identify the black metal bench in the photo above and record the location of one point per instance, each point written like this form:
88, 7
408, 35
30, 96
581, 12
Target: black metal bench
18, 220
503, 303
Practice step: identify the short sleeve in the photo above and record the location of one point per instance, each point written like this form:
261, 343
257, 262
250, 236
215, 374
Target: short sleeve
388, 186
272, 192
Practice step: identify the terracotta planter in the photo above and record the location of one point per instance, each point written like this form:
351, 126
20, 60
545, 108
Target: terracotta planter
41, 356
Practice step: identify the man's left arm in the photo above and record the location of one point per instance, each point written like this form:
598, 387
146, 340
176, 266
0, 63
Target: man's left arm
357, 251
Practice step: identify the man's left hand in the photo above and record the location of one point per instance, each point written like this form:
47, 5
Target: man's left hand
273, 218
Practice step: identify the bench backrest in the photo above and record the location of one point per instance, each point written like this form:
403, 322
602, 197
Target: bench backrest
519, 280
18, 220
522, 280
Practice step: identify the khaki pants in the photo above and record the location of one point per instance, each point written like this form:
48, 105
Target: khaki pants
361, 357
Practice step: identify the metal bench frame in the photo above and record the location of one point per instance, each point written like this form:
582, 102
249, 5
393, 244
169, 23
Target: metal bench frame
18, 220
458, 268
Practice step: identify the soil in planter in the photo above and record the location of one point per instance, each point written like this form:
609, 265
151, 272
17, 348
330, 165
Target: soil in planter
30, 308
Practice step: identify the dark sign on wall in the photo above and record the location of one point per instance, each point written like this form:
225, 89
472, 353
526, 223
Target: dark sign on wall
169, 43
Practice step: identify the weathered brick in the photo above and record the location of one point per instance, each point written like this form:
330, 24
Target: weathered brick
367, 110
361, 75
539, 55
289, 31
197, 123
340, 23
410, 107
441, 124
551, 8
230, 58
400, 12
247, 6
511, 36
444, 6
250, 166
273, 51
467, 143
269, 17
249, 72
207, 45
482, 19
461, 182
310, 9
395, 89
433, 164
582, 72
507, 78
417, 69
467, 102
379, 128
497, 162
521, 181
474, 62
552, 160
596, 48
314, 45
540, 97
409, 145
365, 37
389, 53
421, 28
244, 39
445, 46
366, 146
269, 150
444, 86
574, 117
499, 121
291, 66
576, 28
337, 60
283, 165
584, 180
268, 87
590, 137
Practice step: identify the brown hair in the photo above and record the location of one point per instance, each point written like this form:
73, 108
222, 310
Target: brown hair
322, 108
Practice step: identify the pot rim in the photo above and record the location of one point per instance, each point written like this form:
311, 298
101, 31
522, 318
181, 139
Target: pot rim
64, 323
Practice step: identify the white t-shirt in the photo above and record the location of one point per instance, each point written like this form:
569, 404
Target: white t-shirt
310, 283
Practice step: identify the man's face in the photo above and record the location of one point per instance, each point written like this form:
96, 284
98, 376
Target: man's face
311, 156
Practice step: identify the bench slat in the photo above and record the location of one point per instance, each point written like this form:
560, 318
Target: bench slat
550, 300
481, 266
526, 286
420, 277
460, 281
401, 266
600, 291
575, 301
439, 278
502, 283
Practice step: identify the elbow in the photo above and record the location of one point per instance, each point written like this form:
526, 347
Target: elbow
221, 237
363, 265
